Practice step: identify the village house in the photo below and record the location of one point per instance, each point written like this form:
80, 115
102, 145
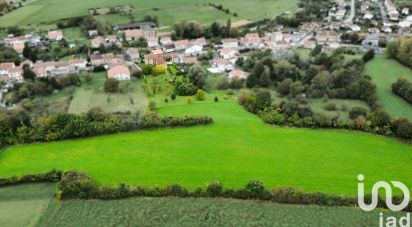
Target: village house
132, 54
61, 68
119, 72
55, 35
391, 10
220, 65
230, 43
193, 50
324, 37
228, 53
371, 42
98, 41
237, 74
153, 42
165, 40
252, 40
168, 48
309, 44
105, 59
158, 59
181, 44
138, 25
14, 40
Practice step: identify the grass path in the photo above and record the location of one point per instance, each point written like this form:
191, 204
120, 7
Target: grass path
238, 147
384, 73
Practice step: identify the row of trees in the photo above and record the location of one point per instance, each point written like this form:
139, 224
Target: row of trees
401, 50
403, 88
297, 115
20, 127
192, 30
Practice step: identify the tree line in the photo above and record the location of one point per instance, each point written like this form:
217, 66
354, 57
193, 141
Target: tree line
403, 88
20, 127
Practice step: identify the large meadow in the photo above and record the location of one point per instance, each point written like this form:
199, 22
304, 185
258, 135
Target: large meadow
237, 148
41, 12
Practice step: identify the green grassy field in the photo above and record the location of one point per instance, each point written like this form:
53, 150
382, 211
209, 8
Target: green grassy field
92, 95
384, 73
168, 11
24, 205
34, 205
237, 148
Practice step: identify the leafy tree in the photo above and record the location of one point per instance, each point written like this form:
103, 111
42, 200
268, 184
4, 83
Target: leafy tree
28, 74
369, 55
111, 85
197, 75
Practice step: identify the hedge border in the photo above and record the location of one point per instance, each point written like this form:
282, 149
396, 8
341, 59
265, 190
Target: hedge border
77, 185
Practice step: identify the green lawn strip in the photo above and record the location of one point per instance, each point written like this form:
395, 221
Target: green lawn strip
384, 73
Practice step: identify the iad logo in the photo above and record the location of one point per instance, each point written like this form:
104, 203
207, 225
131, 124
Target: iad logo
388, 190
388, 221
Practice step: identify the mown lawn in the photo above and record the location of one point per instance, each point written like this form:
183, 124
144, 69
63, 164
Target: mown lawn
168, 12
237, 148
384, 73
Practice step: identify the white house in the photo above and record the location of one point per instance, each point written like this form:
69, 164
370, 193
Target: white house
194, 50
230, 43
119, 72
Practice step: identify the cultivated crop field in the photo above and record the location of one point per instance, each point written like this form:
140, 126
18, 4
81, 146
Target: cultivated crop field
384, 73
34, 205
237, 148
168, 11
24, 205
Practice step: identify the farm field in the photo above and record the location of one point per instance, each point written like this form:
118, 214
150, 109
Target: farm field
169, 11
237, 148
384, 73
23, 205
34, 205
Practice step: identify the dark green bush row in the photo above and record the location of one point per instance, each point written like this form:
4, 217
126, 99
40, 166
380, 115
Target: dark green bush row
75, 185
51, 176
20, 129
154, 120
403, 88
296, 115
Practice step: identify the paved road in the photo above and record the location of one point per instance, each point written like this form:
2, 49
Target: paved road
352, 12
385, 18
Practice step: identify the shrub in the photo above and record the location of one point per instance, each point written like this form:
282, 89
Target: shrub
166, 100
173, 97
369, 55
214, 189
152, 105
111, 85
189, 100
330, 107
357, 112
255, 189
200, 95
216, 99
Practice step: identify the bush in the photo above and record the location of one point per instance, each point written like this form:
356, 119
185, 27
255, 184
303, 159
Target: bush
152, 105
50, 177
368, 55
403, 88
111, 85
200, 95
330, 107
216, 99
214, 189
189, 100
173, 97
357, 112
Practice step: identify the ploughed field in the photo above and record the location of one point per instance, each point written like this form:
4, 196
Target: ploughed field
237, 148
34, 205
